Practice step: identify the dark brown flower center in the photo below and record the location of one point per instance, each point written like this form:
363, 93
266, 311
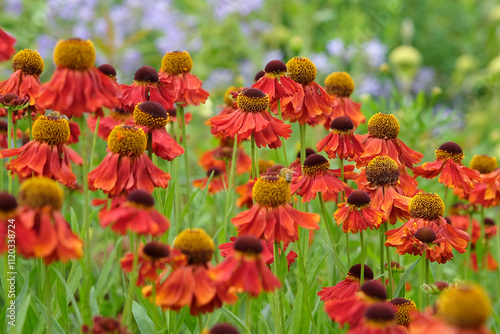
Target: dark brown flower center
156, 250
358, 198
108, 70
216, 171
275, 67
489, 222
309, 151
374, 289
146, 74
9, 97
7, 202
150, 114
223, 329
450, 150
141, 197
259, 75
248, 244
426, 234
380, 312
355, 271
342, 124
315, 163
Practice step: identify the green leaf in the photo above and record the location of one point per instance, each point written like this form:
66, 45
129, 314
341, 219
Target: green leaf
70, 292
142, 319
55, 327
22, 304
407, 273
104, 281
298, 312
234, 319
94, 306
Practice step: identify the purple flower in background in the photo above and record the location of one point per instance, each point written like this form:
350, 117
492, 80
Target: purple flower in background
272, 55
223, 8
14, 7
81, 31
131, 61
219, 78
335, 47
423, 80
45, 46
371, 85
320, 60
375, 52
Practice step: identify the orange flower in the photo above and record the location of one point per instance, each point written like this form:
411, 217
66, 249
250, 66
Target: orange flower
349, 286
272, 217
127, 167
147, 86
405, 309
453, 174
487, 191
136, 214
6, 46
219, 156
341, 142
252, 117
379, 318
317, 177
484, 165
310, 105
297, 163
245, 270
47, 154
116, 117
77, 86
190, 285
276, 83
152, 258
356, 214
462, 222
386, 192
106, 325
176, 67
218, 182
8, 210
25, 81
41, 229
341, 85
152, 118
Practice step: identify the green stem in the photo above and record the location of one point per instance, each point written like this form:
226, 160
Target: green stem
9, 141
284, 148
389, 267
200, 323
302, 130
15, 186
127, 311
94, 140
29, 122
329, 230
248, 311
277, 315
180, 109
445, 197
255, 162
229, 191
427, 277
361, 239
382, 244
48, 298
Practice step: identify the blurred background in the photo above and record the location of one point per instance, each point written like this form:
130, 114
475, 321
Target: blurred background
438, 58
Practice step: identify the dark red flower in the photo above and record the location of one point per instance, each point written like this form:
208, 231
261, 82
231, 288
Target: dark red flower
6, 46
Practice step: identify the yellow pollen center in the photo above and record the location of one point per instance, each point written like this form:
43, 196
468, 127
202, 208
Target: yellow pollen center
427, 206
382, 170
314, 169
252, 104
271, 191
75, 54
444, 155
403, 314
196, 244
127, 140
28, 61
340, 84
39, 192
301, 70
152, 122
51, 130
176, 62
464, 305
228, 97
383, 126
483, 163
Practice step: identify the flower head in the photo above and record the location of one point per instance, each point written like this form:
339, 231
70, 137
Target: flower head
357, 214
108, 70
382, 171
75, 54
106, 325
176, 62
301, 70
221, 329
378, 318
349, 286
340, 84
196, 244
484, 164
405, 307
29, 62
6, 46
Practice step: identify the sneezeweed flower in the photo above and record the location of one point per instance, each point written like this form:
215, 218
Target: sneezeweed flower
272, 217
127, 167
47, 154
147, 86
116, 117
77, 86
25, 81
356, 214
6, 45
258, 75
8, 210
153, 258
448, 165
230, 97
487, 191
310, 105
297, 163
176, 68
106, 325
136, 214
246, 270
462, 308
386, 192
276, 84
379, 318
41, 229
340, 141
220, 156
218, 181
252, 117
341, 85
350, 310
108, 70
405, 308
153, 118
190, 284
316, 177
435, 288
221, 329
349, 286
13, 103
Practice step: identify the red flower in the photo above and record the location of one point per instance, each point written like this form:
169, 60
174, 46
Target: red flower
252, 117
341, 85
348, 287
106, 325
379, 318
357, 214
77, 86
463, 223
312, 104
41, 229
277, 84
127, 167
136, 214
147, 86
272, 217
341, 142
317, 178
218, 182
8, 210
116, 117
219, 156
448, 164
25, 81
47, 154
245, 270
6, 46
176, 67
487, 192
190, 284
